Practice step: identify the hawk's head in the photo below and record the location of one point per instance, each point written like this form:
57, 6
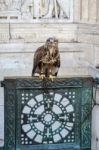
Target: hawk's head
51, 42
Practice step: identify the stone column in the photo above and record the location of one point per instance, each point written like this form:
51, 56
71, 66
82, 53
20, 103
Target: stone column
86, 11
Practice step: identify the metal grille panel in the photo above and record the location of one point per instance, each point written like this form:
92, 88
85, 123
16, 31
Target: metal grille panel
47, 117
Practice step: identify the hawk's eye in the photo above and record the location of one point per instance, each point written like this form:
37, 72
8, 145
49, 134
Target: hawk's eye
48, 42
56, 41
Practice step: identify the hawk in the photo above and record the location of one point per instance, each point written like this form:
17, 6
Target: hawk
47, 59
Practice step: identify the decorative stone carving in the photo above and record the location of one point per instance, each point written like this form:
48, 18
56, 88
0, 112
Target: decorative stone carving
10, 9
10, 5
35, 9
27, 9
58, 9
3, 5
16, 5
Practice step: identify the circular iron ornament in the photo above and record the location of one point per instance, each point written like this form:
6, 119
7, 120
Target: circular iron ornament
47, 118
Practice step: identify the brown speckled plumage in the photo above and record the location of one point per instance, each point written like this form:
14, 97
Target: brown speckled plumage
47, 57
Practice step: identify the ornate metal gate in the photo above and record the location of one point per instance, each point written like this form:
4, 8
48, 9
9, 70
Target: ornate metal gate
41, 115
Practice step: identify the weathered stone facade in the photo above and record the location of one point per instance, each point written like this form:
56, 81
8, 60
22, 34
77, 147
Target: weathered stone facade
23, 28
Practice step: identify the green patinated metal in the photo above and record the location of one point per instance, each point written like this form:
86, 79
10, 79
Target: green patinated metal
41, 115
1, 148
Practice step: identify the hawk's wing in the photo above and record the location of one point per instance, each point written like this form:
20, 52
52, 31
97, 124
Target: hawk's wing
39, 53
56, 65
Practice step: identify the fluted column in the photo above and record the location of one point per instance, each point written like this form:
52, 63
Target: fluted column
86, 11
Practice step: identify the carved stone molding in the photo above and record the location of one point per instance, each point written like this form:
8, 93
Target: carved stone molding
36, 10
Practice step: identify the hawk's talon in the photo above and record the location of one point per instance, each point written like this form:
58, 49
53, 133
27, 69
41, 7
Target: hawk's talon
42, 76
51, 77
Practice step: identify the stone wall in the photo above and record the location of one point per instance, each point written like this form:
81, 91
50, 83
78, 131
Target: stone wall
22, 31
86, 11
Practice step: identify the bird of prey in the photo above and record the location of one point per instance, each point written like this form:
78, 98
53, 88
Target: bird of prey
47, 59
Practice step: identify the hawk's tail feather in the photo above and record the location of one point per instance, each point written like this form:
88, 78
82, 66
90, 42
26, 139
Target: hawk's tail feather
33, 71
